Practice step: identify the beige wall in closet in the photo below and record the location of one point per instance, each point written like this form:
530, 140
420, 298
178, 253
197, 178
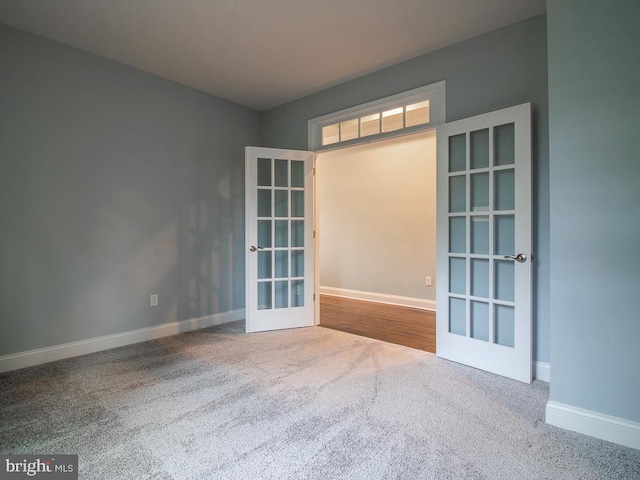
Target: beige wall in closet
377, 216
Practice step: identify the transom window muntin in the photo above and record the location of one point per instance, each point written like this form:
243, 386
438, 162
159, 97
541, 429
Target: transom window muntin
376, 123
405, 112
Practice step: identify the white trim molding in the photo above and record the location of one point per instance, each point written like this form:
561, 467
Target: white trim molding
542, 371
58, 352
379, 297
599, 425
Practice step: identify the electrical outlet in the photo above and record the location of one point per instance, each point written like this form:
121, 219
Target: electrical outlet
153, 300
428, 282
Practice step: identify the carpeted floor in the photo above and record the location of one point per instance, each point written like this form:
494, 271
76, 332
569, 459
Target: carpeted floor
299, 404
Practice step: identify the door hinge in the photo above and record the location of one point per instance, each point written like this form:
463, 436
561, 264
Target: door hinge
314, 170
314, 234
314, 297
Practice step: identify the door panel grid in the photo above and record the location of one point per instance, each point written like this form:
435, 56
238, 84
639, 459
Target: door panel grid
281, 255
484, 214
475, 162
279, 238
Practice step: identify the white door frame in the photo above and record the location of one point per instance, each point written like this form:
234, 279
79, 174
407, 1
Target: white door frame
316, 247
316, 207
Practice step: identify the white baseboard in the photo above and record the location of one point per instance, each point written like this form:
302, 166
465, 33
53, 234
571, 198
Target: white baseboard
92, 345
599, 425
380, 298
542, 371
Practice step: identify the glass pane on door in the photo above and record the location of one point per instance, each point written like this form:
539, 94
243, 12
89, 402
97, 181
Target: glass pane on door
480, 277
480, 235
458, 234
282, 263
281, 173
264, 233
280, 200
458, 193
480, 321
458, 316
480, 149
297, 174
297, 233
457, 153
297, 293
479, 192
504, 144
281, 233
282, 203
505, 322
264, 172
458, 276
264, 203
282, 294
264, 296
504, 280
504, 187
297, 263
505, 243
297, 203
264, 265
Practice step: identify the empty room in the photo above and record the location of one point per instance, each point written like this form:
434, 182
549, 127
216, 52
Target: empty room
187, 187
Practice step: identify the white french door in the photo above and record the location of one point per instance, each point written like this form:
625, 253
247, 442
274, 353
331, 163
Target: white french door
484, 242
279, 239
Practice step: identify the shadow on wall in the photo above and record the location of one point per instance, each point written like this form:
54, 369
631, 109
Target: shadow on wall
210, 240
118, 185
183, 245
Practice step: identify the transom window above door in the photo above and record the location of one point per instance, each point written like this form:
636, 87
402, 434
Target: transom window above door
406, 112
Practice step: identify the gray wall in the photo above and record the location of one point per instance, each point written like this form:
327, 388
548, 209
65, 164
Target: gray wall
114, 184
594, 98
500, 69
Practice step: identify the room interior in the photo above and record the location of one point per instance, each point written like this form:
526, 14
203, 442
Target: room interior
123, 176
375, 237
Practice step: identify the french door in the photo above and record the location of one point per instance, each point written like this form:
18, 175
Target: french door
484, 242
279, 239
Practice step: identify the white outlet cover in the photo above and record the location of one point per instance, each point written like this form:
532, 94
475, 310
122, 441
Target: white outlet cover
153, 300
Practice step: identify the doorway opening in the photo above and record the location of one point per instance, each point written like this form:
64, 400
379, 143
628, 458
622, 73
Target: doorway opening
376, 239
483, 227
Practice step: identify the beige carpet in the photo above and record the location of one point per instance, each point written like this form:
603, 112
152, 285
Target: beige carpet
300, 404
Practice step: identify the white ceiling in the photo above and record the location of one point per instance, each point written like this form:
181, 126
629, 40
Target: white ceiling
262, 53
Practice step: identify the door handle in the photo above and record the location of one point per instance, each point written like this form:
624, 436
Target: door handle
253, 248
520, 258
